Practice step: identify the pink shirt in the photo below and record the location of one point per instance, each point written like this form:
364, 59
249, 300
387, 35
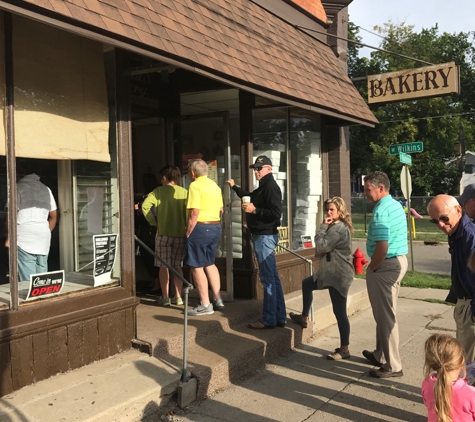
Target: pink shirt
463, 400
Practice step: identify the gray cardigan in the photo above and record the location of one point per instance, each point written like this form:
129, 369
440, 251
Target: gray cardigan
336, 271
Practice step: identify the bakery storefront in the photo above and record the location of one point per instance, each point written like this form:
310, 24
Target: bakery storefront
94, 98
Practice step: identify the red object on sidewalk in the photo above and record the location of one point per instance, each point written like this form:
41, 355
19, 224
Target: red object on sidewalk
359, 261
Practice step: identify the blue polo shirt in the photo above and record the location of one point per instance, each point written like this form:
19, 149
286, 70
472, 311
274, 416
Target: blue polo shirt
388, 224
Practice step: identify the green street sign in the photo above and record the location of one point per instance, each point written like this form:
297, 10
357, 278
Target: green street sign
405, 158
407, 148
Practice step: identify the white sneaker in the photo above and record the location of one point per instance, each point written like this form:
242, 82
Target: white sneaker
217, 303
201, 310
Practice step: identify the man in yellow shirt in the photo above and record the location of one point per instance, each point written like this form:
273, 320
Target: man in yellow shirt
203, 230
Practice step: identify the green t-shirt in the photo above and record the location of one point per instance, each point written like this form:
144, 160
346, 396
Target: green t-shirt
170, 210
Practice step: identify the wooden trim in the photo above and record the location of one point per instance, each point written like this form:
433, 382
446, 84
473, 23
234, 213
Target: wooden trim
27, 321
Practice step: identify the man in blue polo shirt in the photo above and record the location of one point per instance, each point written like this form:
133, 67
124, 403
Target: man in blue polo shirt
386, 244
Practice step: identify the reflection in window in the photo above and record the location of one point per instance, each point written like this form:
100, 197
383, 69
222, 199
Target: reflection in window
307, 183
269, 137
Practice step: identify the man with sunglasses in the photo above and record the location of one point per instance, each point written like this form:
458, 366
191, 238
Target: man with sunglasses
263, 215
386, 244
446, 213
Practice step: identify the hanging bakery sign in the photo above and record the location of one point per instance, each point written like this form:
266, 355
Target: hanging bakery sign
430, 81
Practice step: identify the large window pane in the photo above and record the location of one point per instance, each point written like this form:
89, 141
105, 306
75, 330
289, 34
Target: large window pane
307, 183
269, 137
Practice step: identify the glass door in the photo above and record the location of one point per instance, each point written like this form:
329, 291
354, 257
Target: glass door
207, 136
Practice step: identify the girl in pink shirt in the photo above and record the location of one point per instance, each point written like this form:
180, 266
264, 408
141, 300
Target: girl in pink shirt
445, 391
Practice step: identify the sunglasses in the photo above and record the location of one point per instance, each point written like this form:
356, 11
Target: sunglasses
259, 168
445, 219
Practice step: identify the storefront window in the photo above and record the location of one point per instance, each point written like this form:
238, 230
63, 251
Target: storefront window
269, 137
307, 183
66, 160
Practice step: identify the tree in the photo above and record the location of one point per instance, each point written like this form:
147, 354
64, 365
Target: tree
439, 122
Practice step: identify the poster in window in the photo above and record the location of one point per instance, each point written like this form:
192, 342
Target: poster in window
105, 251
306, 241
45, 284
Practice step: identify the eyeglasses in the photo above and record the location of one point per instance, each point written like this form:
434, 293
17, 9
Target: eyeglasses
445, 219
259, 168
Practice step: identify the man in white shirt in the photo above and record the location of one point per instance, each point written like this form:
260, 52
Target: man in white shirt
36, 218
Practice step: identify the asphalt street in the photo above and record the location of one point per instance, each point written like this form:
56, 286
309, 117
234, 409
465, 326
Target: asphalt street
427, 258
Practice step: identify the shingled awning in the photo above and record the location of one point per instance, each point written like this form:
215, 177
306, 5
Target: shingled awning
234, 41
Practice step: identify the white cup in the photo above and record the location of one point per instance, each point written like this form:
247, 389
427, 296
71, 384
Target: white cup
246, 199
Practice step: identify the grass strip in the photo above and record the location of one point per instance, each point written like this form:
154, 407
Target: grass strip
422, 280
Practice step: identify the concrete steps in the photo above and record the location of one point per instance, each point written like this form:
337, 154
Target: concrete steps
132, 385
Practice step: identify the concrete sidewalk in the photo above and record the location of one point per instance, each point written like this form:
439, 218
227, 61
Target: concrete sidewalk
305, 386
136, 387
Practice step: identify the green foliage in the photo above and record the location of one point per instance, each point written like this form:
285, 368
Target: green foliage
440, 123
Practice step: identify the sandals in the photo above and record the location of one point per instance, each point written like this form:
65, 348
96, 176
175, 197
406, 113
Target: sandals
298, 319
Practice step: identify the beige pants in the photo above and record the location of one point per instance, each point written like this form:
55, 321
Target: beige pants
465, 326
383, 290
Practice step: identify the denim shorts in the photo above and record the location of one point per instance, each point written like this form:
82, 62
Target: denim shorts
200, 247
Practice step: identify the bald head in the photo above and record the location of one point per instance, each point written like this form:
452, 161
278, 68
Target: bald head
445, 212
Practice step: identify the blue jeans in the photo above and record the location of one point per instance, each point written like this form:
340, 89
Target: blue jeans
274, 304
338, 305
31, 264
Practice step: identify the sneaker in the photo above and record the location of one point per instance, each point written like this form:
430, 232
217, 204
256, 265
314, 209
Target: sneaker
178, 301
217, 303
165, 302
201, 310
339, 355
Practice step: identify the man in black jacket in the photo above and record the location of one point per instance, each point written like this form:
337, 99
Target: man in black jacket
263, 214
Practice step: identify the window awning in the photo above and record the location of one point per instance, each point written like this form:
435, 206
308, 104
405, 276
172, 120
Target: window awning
234, 41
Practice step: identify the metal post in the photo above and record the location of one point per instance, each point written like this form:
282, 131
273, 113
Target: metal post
409, 214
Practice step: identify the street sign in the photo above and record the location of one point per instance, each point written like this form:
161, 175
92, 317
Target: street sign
406, 182
405, 158
407, 148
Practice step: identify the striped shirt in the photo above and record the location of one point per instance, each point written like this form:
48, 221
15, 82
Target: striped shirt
388, 224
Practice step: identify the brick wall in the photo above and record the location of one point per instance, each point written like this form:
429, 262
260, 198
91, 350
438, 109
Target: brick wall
314, 7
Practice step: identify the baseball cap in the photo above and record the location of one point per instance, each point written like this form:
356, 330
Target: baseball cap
262, 160
468, 193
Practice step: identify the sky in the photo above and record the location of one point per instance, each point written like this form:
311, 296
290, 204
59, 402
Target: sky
450, 15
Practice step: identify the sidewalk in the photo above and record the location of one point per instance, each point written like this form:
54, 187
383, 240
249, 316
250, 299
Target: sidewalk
133, 386
305, 386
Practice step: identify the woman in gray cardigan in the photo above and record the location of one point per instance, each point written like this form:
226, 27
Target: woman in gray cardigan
335, 271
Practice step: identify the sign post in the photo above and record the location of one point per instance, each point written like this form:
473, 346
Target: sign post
406, 187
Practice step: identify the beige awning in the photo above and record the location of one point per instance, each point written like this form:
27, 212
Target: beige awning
60, 96
234, 41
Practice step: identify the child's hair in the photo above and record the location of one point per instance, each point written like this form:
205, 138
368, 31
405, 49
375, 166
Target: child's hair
443, 353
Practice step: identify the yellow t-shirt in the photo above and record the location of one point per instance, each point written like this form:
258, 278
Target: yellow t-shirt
205, 195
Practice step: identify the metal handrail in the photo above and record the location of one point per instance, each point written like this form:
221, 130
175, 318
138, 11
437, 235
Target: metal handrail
187, 287
309, 261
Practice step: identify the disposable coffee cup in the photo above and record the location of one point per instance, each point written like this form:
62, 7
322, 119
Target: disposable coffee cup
246, 199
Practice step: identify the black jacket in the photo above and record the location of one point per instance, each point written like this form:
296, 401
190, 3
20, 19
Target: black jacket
267, 199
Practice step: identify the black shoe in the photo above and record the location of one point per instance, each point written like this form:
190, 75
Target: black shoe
281, 324
298, 319
384, 373
369, 355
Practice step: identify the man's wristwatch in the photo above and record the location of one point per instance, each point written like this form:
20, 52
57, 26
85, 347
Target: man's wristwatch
255, 211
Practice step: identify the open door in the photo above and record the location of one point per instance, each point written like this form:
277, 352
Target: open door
207, 136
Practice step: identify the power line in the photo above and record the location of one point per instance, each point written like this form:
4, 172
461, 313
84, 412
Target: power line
363, 44
428, 117
371, 32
